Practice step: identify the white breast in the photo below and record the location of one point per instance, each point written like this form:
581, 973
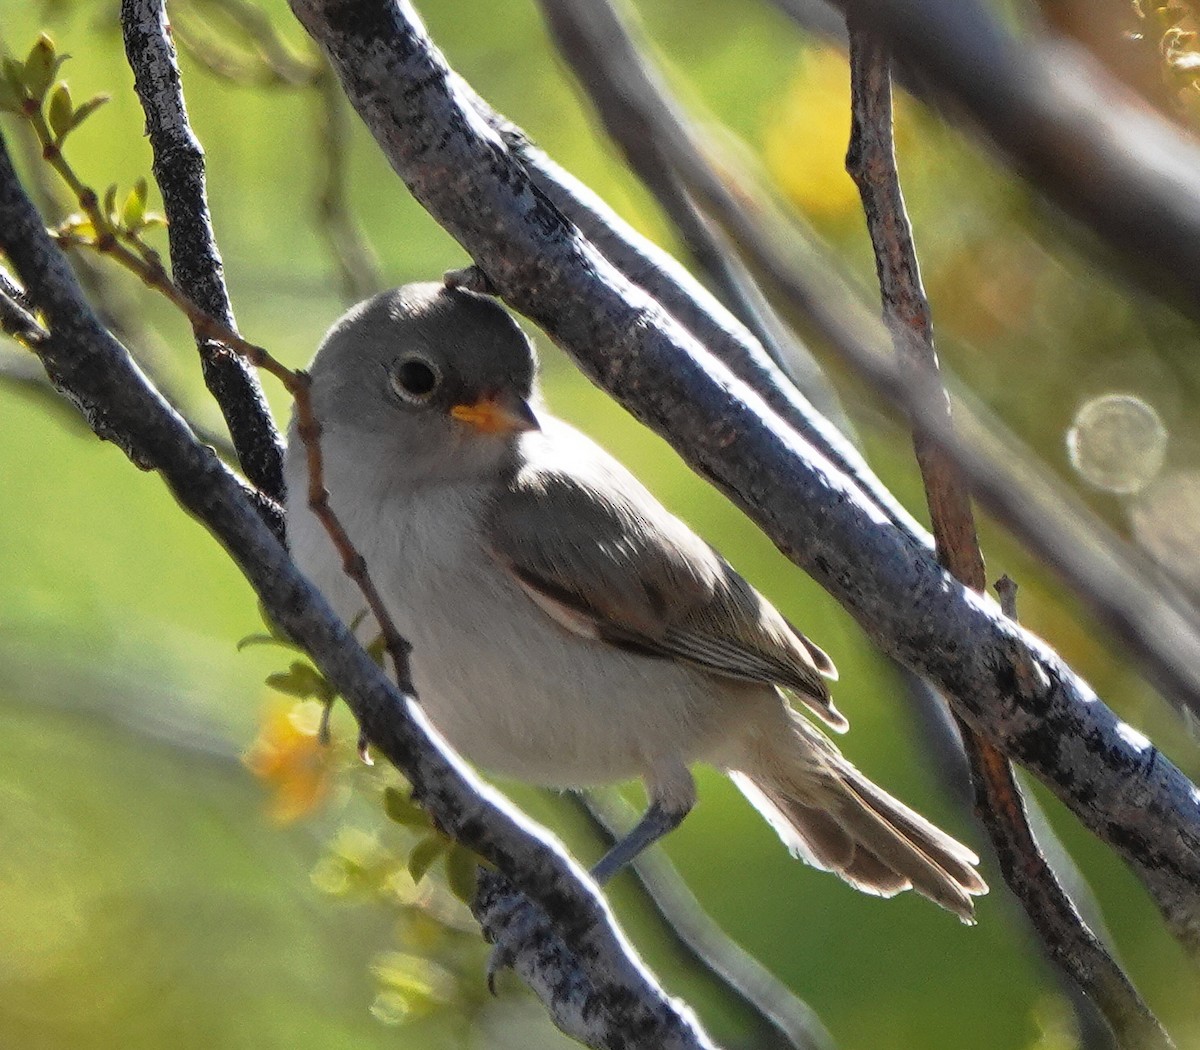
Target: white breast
510, 688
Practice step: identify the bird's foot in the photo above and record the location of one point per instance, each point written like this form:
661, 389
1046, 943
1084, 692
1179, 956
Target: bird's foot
519, 927
510, 920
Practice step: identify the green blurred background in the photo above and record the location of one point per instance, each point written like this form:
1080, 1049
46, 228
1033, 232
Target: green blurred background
146, 897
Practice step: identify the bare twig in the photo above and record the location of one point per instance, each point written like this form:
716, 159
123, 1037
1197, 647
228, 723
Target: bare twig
1127, 793
358, 268
274, 65
1099, 152
1062, 932
87, 363
195, 260
784, 1020
1159, 629
271, 63
870, 162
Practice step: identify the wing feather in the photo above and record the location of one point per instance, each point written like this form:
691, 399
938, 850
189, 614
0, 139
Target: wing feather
601, 556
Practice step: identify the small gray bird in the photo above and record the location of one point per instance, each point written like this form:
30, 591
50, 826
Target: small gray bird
566, 629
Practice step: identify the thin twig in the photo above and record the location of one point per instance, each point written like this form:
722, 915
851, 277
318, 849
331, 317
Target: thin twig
1080, 136
272, 61
195, 259
784, 1020
358, 268
1062, 932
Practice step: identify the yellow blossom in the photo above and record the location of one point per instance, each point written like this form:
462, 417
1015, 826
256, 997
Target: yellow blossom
289, 757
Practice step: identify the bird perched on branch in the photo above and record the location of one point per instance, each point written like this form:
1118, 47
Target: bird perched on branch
566, 629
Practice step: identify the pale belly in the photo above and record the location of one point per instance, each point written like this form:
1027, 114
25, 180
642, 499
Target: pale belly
517, 693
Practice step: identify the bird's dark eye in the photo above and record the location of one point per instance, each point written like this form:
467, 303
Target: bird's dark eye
414, 379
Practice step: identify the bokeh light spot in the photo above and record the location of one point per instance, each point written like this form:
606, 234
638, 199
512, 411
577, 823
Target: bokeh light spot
1117, 443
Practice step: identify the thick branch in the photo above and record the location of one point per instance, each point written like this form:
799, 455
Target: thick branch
1058, 925
87, 364
670, 284
195, 260
1050, 720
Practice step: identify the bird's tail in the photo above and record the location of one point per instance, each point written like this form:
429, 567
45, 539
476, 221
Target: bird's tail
832, 816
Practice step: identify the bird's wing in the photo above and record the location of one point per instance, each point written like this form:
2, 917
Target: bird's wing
606, 560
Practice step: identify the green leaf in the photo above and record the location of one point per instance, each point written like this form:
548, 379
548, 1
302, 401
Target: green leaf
301, 680
266, 639
134, 210
424, 853
14, 79
11, 96
86, 110
110, 202
41, 65
60, 111
461, 872
403, 810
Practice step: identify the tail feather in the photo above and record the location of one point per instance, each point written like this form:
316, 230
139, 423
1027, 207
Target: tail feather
833, 817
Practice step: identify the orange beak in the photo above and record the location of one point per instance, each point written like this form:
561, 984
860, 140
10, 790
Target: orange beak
501, 414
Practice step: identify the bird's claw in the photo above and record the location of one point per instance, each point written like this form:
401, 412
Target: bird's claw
514, 925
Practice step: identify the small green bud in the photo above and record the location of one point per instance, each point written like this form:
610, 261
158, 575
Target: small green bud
81, 113
134, 211
60, 111
40, 66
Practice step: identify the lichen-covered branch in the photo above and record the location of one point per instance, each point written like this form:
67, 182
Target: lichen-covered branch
195, 260
456, 165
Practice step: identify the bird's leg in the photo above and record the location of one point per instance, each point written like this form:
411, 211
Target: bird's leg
672, 793
672, 796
